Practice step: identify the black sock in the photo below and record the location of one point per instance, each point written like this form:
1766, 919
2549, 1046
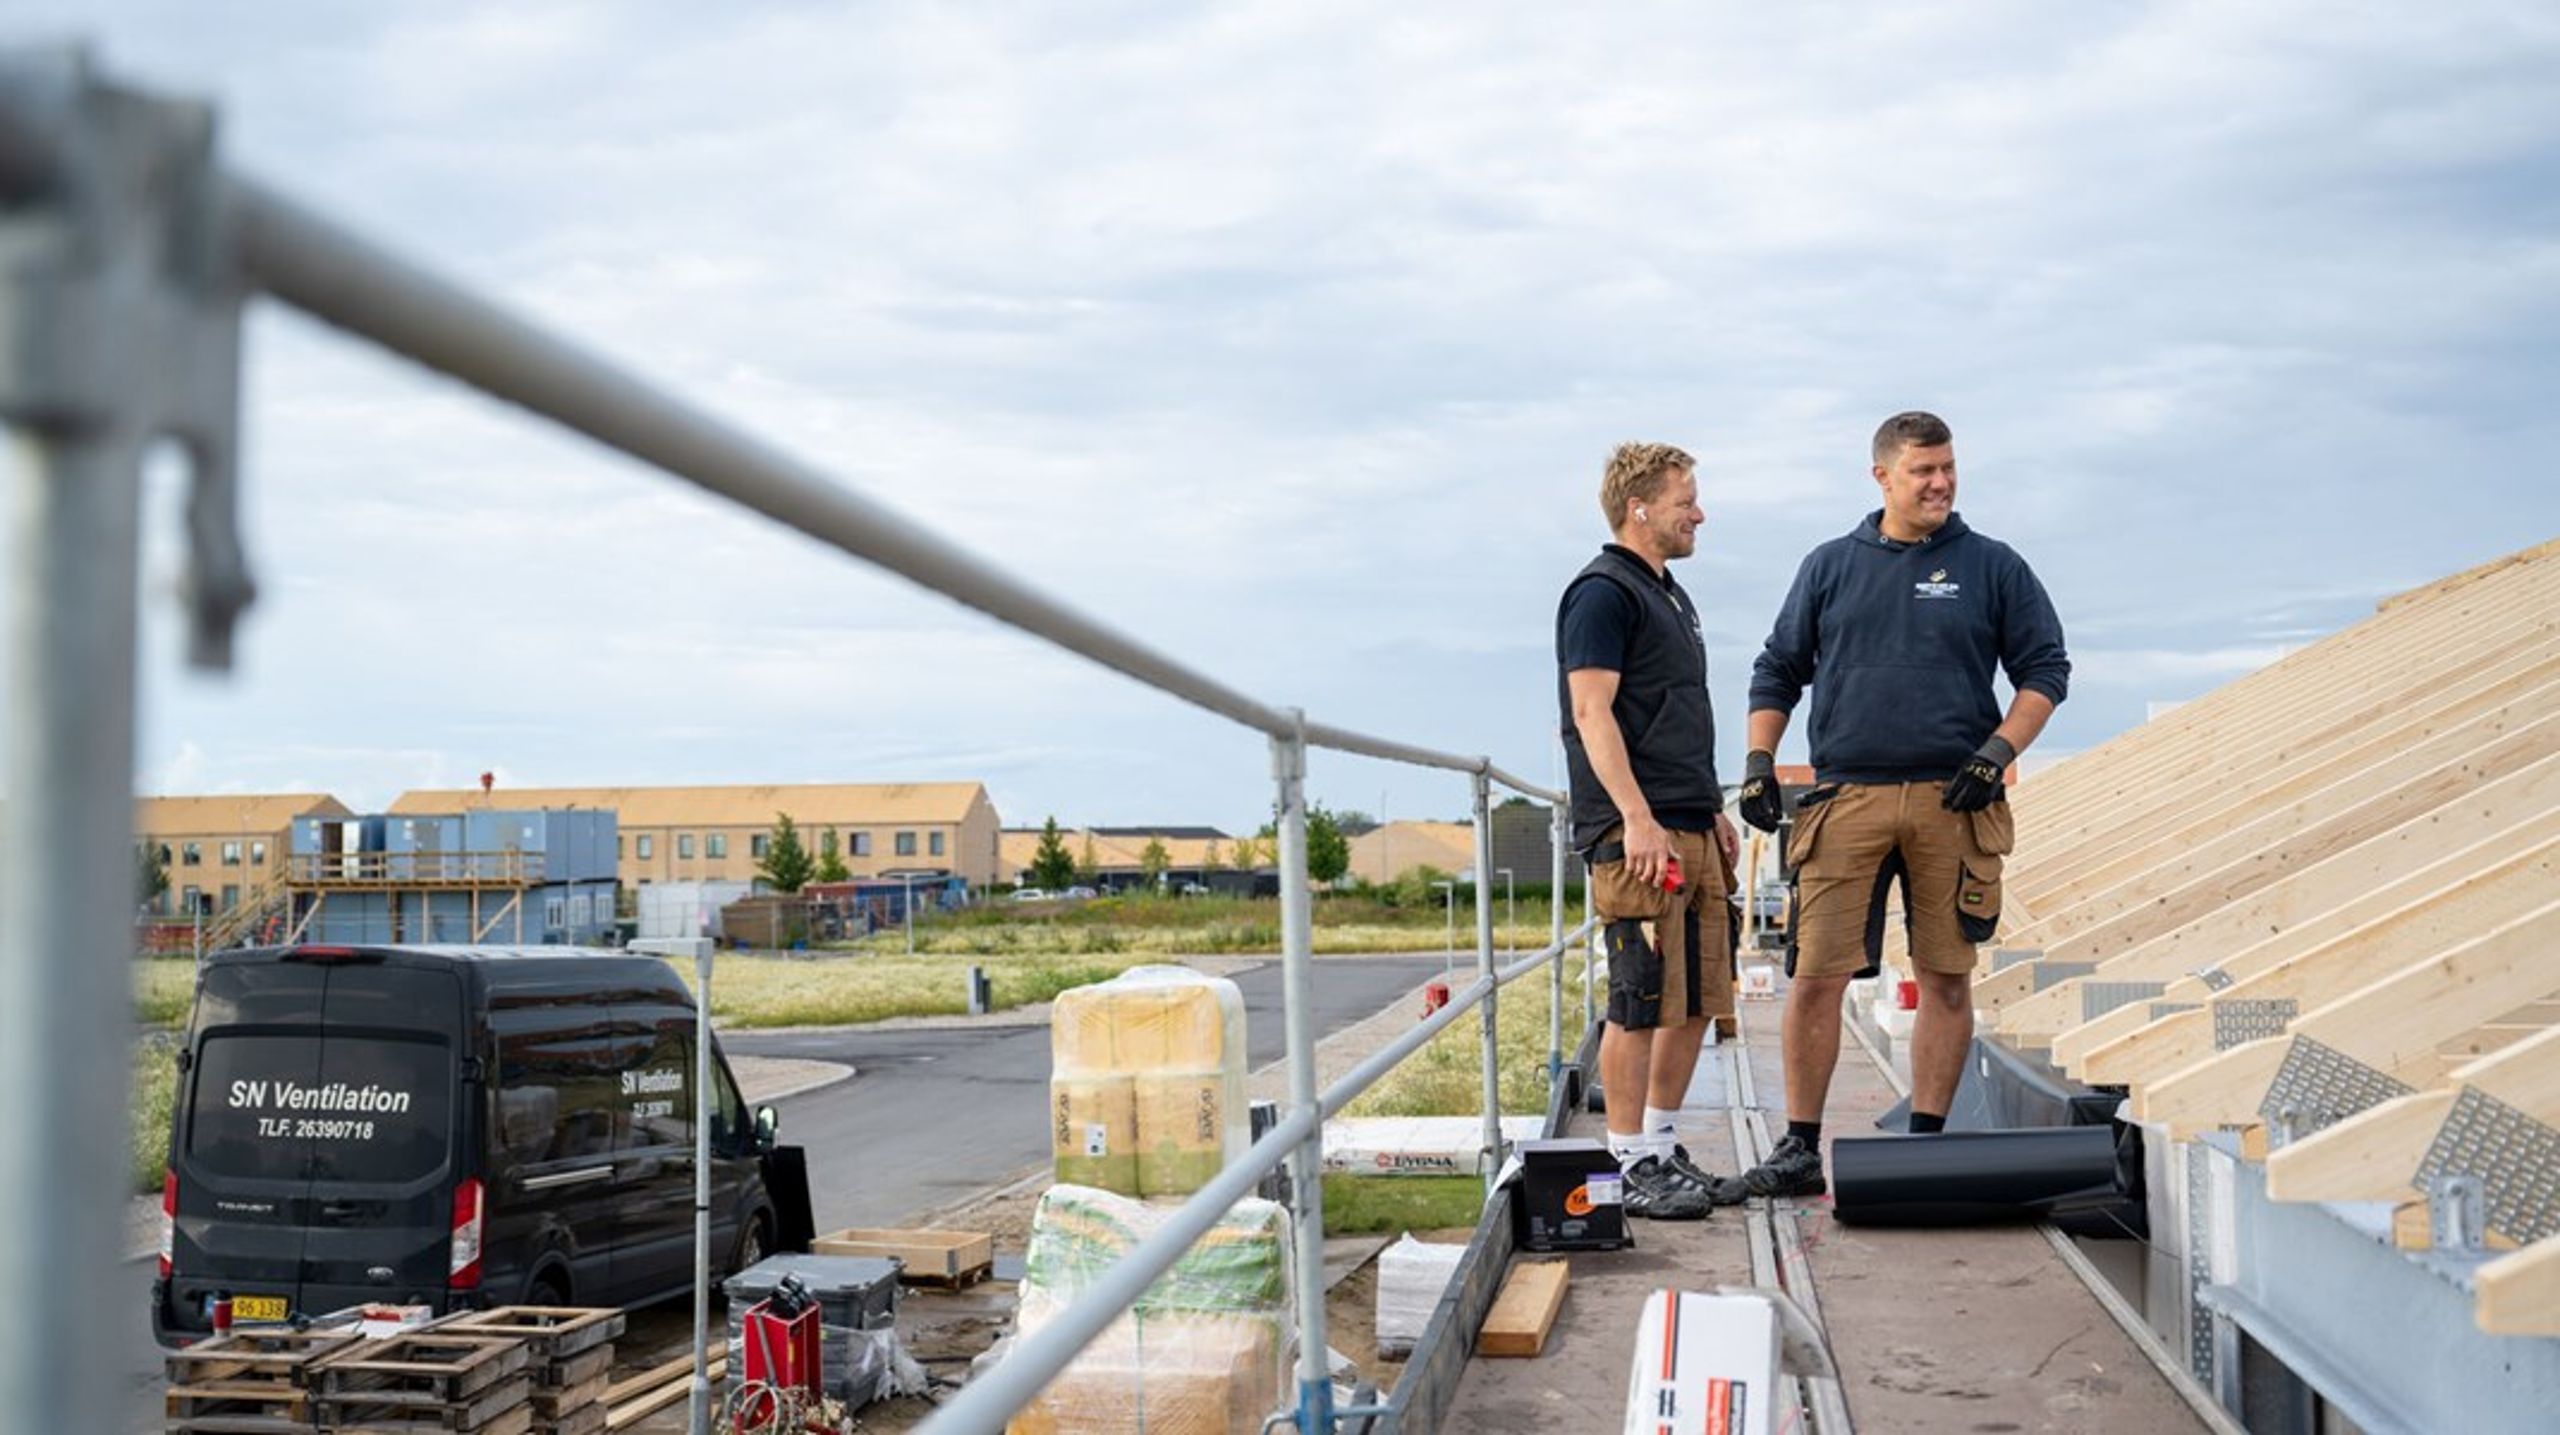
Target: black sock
1809, 1132
1924, 1124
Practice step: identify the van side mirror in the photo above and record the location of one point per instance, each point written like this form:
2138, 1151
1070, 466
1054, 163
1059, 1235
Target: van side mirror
767, 1123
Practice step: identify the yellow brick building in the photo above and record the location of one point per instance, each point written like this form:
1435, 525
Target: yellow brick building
225, 847
687, 834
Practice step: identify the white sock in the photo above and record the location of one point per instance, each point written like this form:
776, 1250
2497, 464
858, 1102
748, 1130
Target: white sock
1659, 1143
1629, 1149
1657, 1120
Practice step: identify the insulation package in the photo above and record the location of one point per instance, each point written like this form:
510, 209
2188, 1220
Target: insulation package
1093, 1130
1412, 1276
1205, 1351
1174, 1041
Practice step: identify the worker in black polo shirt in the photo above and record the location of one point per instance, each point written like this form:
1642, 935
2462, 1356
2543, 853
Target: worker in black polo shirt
1639, 739
1896, 627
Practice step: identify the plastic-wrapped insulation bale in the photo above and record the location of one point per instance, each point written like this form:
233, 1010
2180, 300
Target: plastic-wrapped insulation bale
1412, 1276
1177, 1039
1206, 1349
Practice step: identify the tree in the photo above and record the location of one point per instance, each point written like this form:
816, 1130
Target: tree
1354, 822
1153, 861
150, 873
831, 866
1328, 851
1212, 857
787, 865
1088, 866
1249, 853
1051, 867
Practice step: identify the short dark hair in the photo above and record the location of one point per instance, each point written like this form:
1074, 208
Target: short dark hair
1915, 429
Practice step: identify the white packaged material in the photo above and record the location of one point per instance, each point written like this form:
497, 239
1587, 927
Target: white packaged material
1706, 1364
1415, 1145
1412, 1275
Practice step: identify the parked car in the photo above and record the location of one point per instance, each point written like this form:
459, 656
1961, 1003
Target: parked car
1029, 894
1769, 902
1192, 889
1078, 894
446, 1127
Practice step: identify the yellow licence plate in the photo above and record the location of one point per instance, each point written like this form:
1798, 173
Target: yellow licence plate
257, 1307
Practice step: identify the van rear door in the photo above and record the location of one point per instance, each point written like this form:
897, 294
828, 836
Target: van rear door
384, 1129
315, 1149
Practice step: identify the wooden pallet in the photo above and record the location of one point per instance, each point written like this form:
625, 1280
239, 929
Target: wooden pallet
237, 1407
515, 1420
586, 1420
255, 1354
952, 1260
551, 1333
578, 1369
247, 1382
432, 1380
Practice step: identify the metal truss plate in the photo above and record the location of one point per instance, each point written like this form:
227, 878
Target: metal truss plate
2214, 978
2003, 958
2163, 1010
2239, 1022
2098, 998
2514, 1155
2049, 974
2319, 1086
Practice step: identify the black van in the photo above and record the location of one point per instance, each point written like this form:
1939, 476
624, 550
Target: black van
448, 1126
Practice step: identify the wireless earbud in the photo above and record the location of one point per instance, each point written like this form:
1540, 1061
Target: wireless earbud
1639, 513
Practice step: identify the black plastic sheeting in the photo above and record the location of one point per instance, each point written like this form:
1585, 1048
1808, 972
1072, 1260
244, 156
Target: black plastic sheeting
2087, 1180
2003, 1090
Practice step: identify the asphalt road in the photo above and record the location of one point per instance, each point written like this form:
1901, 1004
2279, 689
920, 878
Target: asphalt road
935, 1116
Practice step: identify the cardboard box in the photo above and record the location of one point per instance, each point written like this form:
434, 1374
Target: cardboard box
1704, 1365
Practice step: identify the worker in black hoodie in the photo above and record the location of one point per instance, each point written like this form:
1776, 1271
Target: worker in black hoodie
1896, 627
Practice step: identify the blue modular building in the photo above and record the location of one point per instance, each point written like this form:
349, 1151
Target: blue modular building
535, 876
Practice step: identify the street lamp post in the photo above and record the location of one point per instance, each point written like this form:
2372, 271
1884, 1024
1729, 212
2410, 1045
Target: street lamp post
907, 907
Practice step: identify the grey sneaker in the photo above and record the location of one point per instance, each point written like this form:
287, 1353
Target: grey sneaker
1793, 1169
1654, 1193
1689, 1171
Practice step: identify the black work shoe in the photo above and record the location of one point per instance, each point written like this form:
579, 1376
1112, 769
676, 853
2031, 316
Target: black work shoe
1689, 1171
1654, 1193
1793, 1169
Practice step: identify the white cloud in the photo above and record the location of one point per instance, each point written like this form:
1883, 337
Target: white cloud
1290, 338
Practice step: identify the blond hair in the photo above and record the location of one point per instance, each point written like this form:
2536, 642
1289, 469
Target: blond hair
1638, 471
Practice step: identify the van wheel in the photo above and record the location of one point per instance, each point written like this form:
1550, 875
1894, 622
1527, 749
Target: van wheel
549, 1288
753, 1243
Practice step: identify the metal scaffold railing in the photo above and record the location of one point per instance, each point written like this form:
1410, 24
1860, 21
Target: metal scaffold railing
126, 253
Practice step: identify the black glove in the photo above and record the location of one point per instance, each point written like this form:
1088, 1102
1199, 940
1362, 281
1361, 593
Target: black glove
1976, 785
1764, 803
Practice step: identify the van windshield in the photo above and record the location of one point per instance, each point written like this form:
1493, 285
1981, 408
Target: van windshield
303, 1105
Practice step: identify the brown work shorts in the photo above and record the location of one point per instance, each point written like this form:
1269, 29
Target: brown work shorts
1853, 842
1684, 971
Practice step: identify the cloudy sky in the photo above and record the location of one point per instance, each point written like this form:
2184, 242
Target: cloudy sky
1291, 337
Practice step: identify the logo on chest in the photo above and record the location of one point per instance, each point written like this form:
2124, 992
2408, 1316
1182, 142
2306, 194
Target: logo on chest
1936, 586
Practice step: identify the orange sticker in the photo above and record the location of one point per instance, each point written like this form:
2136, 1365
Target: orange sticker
1578, 1203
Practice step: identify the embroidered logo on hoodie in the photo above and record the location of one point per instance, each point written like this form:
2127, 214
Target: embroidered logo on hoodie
1936, 586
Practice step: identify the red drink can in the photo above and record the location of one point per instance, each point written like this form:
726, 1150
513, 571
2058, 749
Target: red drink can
1671, 878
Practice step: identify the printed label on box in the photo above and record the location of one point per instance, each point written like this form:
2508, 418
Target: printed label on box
1097, 1139
1606, 1190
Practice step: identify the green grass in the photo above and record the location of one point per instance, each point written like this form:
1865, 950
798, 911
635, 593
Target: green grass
155, 1097
1390, 1205
835, 990
1446, 1077
1141, 924
163, 989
